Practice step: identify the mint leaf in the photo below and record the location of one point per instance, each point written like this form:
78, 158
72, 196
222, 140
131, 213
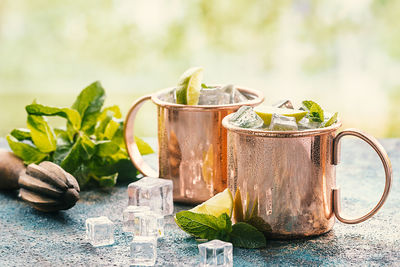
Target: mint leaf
42, 134
107, 180
111, 129
102, 123
307, 104
224, 222
91, 146
202, 225
82, 150
112, 111
316, 113
126, 170
246, 236
70, 114
21, 134
88, 104
332, 120
106, 148
143, 147
26, 152
260, 224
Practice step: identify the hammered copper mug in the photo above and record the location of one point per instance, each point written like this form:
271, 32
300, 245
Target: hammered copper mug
285, 182
192, 144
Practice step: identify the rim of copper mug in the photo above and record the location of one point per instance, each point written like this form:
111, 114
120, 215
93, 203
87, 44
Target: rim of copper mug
281, 134
258, 98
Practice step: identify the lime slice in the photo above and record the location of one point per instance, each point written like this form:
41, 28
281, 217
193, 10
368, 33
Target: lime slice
265, 112
188, 90
217, 205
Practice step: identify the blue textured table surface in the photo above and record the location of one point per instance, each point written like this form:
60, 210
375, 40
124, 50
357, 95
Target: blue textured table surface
29, 237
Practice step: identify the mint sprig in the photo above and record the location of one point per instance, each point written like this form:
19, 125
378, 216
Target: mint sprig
316, 114
91, 146
210, 227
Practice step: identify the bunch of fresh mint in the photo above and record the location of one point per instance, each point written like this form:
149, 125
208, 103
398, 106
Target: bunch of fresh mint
91, 146
316, 114
204, 226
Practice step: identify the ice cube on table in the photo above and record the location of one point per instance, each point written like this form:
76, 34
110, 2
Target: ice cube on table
306, 124
245, 117
131, 221
214, 96
144, 250
153, 192
151, 224
141, 221
100, 231
284, 104
216, 253
283, 123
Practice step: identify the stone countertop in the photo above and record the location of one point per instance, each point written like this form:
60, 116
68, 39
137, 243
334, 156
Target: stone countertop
31, 238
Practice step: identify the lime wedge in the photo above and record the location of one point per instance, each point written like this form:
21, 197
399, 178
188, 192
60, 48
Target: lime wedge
265, 112
188, 90
217, 205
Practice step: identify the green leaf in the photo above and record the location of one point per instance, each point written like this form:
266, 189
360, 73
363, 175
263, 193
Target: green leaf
203, 85
106, 148
307, 104
107, 181
26, 152
332, 120
246, 236
61, 153
42, 134
112, 111
260, 224
143, 147
224, 222
199, 225
118, 136
70, 114
21, 134
126, 171
110, 130
88, 104
316, 113
62, 137
82, 150
81, 174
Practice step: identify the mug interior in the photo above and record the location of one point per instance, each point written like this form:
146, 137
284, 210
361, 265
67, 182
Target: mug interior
161, 98
281, 134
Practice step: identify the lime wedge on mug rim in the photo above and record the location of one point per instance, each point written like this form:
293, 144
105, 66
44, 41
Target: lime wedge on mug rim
188, 90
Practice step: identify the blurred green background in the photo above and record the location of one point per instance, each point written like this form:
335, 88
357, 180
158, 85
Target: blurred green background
343, 54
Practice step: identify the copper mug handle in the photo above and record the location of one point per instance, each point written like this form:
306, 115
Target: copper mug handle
129, 136
386, 165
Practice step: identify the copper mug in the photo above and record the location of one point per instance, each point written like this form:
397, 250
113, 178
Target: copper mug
192, 144
285, 181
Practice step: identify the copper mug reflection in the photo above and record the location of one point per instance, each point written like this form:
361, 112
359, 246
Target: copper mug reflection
285, 182
192, 144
